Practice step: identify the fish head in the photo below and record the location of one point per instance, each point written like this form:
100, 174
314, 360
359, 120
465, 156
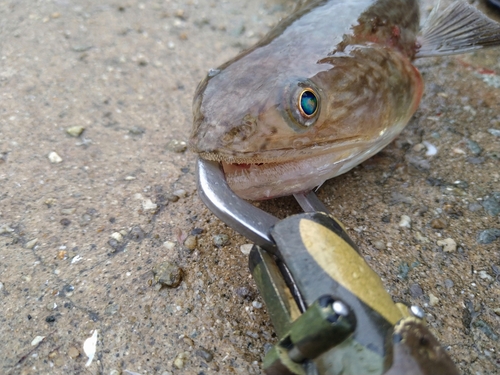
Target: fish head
279, 131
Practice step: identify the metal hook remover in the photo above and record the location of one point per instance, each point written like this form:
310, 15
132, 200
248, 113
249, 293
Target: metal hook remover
330, 310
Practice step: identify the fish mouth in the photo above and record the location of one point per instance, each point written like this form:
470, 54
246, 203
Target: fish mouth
285, 172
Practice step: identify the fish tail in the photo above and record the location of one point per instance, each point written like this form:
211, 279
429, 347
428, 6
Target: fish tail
457, 29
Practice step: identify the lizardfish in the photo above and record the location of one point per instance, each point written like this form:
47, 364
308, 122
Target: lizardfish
326, 89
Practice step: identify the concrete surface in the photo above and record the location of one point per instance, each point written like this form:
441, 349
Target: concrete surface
80, 235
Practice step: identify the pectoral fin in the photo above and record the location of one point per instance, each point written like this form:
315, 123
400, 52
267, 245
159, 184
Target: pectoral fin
459, 28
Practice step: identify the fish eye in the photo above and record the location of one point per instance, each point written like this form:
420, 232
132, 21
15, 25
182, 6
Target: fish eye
308, 103
301, 104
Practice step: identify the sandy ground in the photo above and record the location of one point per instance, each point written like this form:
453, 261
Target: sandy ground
81, 233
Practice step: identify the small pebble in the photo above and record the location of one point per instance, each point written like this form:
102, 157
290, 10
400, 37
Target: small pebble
485, 276
31, 244
137, 234
112, 309
62, 254
54, 158
449, 245
473, 207
379, 245
404, 269
196, 231
167, 274
73, 352
418, 147
491, 206
137, 130
51, 306
169, 245
67, 290
176, 146
433, 300
115, 245
420, 237
85, 219
483, 326
449, 283
181, 359
65, 222
419, 163
243, 292
68, 211
117, 236
416, 291
191, 242
488, 236
474, 147
475, 160
5, 229
495, 132
405, 221
37, 340
181, 193
75, 131
148, 205
246, 248
221, 240
397, 198
205, 354
172, 197
454, 190
257, 305
438, 223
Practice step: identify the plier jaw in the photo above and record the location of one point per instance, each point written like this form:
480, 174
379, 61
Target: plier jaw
330, 310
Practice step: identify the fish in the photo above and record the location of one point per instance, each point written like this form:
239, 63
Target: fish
330, 86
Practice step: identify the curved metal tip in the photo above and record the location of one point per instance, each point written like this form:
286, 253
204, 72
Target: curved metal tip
243, 217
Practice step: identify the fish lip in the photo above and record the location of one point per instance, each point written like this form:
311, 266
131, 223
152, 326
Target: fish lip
283, 155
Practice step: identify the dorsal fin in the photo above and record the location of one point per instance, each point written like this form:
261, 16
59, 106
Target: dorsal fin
459, 28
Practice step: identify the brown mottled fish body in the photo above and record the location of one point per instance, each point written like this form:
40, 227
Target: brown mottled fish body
351, 57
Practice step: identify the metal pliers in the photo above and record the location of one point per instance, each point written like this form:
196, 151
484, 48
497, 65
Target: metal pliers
330, 310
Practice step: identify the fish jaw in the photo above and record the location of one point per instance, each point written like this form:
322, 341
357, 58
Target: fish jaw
261, 181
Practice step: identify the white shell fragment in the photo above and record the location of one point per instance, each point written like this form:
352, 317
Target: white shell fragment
75, 131
117, 236
37, 340
147, 204
405, 221
449, 245
31, 244
89, 347
431, 149
245, 249
54, 158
